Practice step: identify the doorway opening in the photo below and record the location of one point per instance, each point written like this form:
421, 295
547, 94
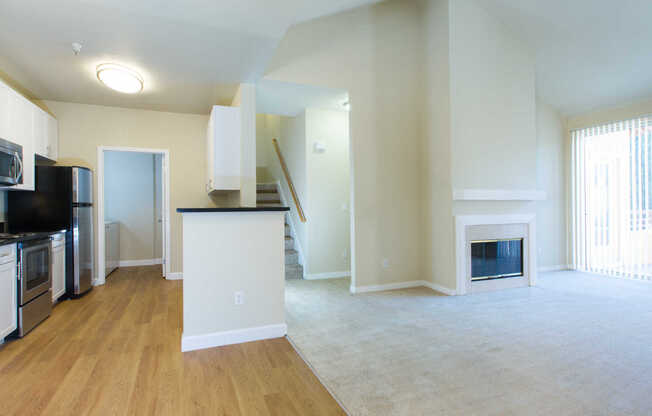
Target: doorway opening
303, 161
133, 209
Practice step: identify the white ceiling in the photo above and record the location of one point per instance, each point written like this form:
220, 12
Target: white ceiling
191, 53
280, 98
590, 53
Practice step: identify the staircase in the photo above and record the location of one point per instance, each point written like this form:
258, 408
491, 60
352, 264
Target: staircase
267, 195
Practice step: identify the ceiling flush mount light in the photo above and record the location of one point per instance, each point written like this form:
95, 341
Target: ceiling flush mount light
119, 78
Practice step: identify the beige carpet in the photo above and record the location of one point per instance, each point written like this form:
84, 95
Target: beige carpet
577, 344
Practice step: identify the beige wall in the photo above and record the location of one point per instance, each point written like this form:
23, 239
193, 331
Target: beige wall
552, 171
438, 252
268, 127
130, 199
375, 54
82, 128
492, 103
328, 178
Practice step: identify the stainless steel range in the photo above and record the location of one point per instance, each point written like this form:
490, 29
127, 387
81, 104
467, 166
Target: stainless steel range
34, 283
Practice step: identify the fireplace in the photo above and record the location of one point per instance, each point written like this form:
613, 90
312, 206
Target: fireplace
495, 252
496, 259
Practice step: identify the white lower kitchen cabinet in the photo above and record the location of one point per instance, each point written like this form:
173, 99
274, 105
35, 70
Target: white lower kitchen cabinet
58, 266
8, 292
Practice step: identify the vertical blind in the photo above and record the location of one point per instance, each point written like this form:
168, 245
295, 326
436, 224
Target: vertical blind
611, 212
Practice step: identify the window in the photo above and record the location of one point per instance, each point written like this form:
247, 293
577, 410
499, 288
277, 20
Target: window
612, 198
641, 177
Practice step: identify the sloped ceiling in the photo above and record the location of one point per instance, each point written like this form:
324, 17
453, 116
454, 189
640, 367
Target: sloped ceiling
590, 54
191, 53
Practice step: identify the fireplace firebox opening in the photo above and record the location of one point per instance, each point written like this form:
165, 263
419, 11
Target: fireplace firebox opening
496, 259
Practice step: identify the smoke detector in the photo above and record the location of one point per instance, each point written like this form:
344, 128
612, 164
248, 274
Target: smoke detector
76, 48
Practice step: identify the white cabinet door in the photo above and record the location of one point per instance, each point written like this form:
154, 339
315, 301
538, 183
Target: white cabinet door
58, 269
5, 127
21, 122
223, 147
39, 120
8, 295
52, 137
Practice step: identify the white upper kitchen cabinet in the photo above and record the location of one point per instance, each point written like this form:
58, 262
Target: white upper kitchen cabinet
5, 129
40, 121
20, 119
52, 138
24, 123
223, 149
46, 134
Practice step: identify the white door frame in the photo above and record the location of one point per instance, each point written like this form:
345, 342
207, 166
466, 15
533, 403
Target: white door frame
165, 210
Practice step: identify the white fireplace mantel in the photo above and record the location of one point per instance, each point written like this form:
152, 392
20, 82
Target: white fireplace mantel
498, 195
461, 223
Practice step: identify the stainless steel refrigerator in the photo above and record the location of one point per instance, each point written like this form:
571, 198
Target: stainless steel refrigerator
63, 200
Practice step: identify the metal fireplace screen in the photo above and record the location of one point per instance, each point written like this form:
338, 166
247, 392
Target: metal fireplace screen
496, 259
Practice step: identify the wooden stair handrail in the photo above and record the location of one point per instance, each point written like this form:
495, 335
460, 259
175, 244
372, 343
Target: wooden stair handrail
286, 172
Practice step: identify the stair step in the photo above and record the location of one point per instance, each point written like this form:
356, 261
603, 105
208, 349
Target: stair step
266, 191
293, 271
287, 230
265, 186
289, 243
269, 196
291, 257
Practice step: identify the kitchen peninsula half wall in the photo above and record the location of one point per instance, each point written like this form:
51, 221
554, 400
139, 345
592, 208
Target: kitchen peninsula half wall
233, 270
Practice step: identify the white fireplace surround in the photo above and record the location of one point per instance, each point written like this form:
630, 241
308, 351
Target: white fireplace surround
461, 224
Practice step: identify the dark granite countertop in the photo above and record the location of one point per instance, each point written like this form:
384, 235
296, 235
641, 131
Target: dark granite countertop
234, 209
20, 237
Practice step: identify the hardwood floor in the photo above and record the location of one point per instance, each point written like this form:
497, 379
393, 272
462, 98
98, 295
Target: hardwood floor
117, 351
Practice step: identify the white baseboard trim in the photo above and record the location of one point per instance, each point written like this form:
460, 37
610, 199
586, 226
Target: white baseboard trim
237, 336
174, 276
144, 262
556, 268
439, 288
387, 286
330, 275
403, 285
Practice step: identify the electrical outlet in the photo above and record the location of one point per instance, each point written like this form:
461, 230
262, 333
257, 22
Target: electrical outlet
239, 298
386, 263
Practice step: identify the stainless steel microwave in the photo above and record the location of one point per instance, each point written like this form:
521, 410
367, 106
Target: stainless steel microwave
11, 163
